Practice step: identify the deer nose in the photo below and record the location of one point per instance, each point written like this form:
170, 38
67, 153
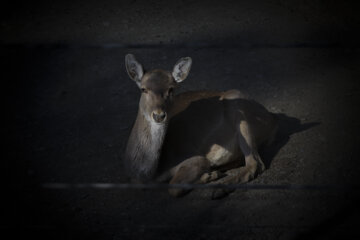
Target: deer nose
159, 116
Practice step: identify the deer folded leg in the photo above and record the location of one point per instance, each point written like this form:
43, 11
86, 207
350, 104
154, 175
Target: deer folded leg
253, 163
211, 176
188, 171
234, 176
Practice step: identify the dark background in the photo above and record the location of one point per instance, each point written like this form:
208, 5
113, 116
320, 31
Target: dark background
68, 107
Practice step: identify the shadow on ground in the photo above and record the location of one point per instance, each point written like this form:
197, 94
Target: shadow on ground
287, 127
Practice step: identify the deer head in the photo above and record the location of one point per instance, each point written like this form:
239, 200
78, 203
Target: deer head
156, 87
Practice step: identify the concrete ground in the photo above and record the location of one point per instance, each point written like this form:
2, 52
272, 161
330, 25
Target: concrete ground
69, 106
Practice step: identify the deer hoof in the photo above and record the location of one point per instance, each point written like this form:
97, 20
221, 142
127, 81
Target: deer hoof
211, 176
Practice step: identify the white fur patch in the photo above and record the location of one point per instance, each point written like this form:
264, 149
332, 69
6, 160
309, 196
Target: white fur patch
157, 134
156, 130
218, 155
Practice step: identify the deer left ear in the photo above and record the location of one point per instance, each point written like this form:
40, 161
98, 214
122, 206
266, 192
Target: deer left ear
134, 68
182, 69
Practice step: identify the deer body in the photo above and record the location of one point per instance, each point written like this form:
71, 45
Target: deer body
187, 137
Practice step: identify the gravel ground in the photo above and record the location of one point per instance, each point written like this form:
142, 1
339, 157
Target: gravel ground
69, 106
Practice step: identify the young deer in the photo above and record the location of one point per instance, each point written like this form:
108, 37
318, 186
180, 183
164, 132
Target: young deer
188, 137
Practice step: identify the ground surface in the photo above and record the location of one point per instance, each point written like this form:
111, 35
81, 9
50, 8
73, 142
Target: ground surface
69, 110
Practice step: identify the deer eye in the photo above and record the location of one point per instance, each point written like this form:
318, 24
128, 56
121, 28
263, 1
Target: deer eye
144, 90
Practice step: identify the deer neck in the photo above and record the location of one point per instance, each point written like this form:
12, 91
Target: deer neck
144, 147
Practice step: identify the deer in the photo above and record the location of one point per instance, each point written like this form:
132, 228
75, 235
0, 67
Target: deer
194, 137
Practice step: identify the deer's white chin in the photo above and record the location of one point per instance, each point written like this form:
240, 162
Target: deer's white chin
163, 123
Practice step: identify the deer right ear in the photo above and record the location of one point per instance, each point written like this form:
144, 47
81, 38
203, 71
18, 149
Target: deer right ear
133, 68
182, 69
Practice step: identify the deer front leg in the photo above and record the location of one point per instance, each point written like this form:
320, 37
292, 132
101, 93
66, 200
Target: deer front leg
188, 171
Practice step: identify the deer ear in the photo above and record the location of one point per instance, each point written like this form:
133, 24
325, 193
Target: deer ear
182, 69
134, 68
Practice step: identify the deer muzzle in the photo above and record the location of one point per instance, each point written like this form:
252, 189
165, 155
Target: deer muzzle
159, 116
